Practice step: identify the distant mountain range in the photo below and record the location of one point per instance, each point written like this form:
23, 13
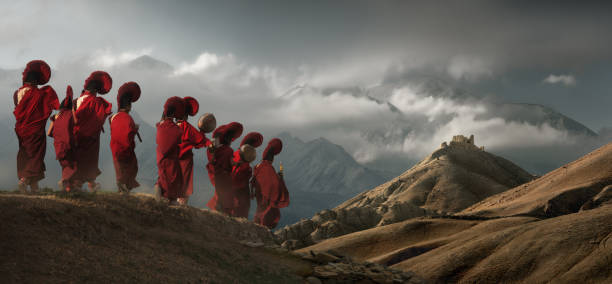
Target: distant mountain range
452, 178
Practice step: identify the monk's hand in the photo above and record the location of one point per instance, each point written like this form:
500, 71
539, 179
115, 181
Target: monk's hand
137, 126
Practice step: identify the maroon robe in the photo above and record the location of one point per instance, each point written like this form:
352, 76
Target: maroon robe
220, 169
90, 115
33, 106
191, 138
241, 175
271, 194
123, 130
170, 179
63, 141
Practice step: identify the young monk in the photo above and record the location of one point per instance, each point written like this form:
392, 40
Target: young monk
123, 130
191, 138
33, 106
220, 167
241, 174
61, 129
170, 179
90, 114
269, 187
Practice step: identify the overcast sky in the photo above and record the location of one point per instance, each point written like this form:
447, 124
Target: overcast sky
556, 53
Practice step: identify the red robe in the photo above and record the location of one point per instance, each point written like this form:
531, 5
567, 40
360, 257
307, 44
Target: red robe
241, 175
63, 141
192, 138
170, 179
33, 106
220, 170
123, 130
90, 114
271, 194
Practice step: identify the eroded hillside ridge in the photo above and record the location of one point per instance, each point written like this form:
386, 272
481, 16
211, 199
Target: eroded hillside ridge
584, 183
452, 178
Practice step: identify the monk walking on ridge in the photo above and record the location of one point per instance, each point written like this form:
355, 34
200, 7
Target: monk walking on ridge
62, 129
123, 130
90, 114
269, 187
242, 171
33, 106
191, 138
170, 179
220, 167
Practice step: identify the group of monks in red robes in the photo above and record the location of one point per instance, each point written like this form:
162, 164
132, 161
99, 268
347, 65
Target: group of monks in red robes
76, 130
229, 171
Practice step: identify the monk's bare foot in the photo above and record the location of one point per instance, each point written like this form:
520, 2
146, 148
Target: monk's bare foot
182, 201
34, 186
157, 192
93, 186
122, 188
23, 186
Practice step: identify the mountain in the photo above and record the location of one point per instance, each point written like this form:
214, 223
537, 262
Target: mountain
562, 191
452, 178
538, 114
319, 175
146, 62
555, 229
323, 167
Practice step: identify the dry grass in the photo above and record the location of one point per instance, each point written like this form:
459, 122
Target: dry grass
106, 237
559, 192
574, 248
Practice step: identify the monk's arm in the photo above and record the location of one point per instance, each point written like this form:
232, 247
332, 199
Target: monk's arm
50, 130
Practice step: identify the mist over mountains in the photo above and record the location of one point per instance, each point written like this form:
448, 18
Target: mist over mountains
339, 140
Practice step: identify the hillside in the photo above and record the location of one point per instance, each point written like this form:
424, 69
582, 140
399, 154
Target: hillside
557, 228
559, 192
128, 238
112, 238
452, 178
575, 248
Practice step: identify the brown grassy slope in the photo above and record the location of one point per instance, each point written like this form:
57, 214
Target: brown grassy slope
561, 191
575, 248
112, 238
391, 244
450, 179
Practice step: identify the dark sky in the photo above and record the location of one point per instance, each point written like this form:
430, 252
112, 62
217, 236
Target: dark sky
502, 49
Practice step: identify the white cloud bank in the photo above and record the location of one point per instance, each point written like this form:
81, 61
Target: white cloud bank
567, 80
409, 124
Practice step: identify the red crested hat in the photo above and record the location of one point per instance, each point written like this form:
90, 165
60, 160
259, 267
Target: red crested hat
235, 129
103, 82
219, 131
191, 106
275, 146
67, 102
38, 66
128, 89
177, 104
254, 139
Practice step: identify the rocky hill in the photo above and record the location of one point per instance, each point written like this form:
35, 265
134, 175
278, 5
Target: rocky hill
112, 238
452, 178
584, 182
555, 229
